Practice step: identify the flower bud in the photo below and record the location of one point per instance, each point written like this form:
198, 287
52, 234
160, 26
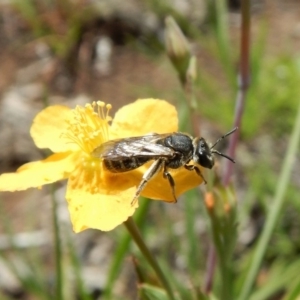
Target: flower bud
178, 48
191, 73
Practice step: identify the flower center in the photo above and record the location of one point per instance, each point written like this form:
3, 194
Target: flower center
88, 126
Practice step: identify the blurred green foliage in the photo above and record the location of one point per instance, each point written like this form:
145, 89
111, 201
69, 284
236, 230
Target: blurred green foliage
58, 23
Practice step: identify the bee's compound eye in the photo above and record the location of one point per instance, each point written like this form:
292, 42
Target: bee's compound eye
202, 154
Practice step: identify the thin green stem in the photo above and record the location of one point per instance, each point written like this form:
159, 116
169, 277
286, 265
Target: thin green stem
122, 249
192, 242
190, 97
77, 270
221, 253
223, 36
136, 236
275, 209
58, 250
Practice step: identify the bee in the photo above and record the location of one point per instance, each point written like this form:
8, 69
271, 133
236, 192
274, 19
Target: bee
168, 151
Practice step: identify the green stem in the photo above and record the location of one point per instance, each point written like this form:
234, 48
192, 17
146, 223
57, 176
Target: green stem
275, 210
136, 236
122, 249
223, 36
58, 252
193, 249
221, 254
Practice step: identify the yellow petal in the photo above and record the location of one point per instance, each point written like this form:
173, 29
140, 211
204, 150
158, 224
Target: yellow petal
35, 174
99, 199
48, 126
104, 210
143, 117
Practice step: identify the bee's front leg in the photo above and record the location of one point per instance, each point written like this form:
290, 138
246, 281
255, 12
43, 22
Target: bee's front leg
197, 170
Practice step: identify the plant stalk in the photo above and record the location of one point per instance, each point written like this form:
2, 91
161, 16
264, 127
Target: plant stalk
57, 249
136, 236
243, 85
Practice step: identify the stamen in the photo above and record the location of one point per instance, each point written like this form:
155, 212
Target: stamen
108, 108
88, 127
100, 109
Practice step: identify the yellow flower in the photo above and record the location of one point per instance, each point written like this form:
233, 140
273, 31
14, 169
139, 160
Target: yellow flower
96, 197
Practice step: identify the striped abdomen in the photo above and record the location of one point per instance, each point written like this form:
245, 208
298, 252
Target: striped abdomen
125, 165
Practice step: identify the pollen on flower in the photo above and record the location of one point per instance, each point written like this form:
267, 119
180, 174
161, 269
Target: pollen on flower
87, 175
88, 127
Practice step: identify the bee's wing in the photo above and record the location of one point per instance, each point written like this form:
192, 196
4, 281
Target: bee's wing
142, 146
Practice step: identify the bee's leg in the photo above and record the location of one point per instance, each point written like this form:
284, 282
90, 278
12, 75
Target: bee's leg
168, 176
152, 171
197, 170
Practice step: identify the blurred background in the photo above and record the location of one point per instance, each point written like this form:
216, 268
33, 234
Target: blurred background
77, 51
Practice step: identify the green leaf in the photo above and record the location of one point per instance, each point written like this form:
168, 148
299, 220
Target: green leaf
150, 292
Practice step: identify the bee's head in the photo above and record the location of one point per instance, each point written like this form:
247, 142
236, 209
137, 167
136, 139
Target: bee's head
204, 154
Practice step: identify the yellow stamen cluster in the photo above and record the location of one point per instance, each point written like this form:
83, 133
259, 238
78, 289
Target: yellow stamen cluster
88, 127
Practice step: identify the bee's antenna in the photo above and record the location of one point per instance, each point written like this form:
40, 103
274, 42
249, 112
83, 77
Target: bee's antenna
224, 155
223, 137
220, 139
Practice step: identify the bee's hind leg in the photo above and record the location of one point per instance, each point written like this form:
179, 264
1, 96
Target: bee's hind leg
151, 172
168, 176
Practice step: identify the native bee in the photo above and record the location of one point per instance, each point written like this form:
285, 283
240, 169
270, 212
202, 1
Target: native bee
169, 151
